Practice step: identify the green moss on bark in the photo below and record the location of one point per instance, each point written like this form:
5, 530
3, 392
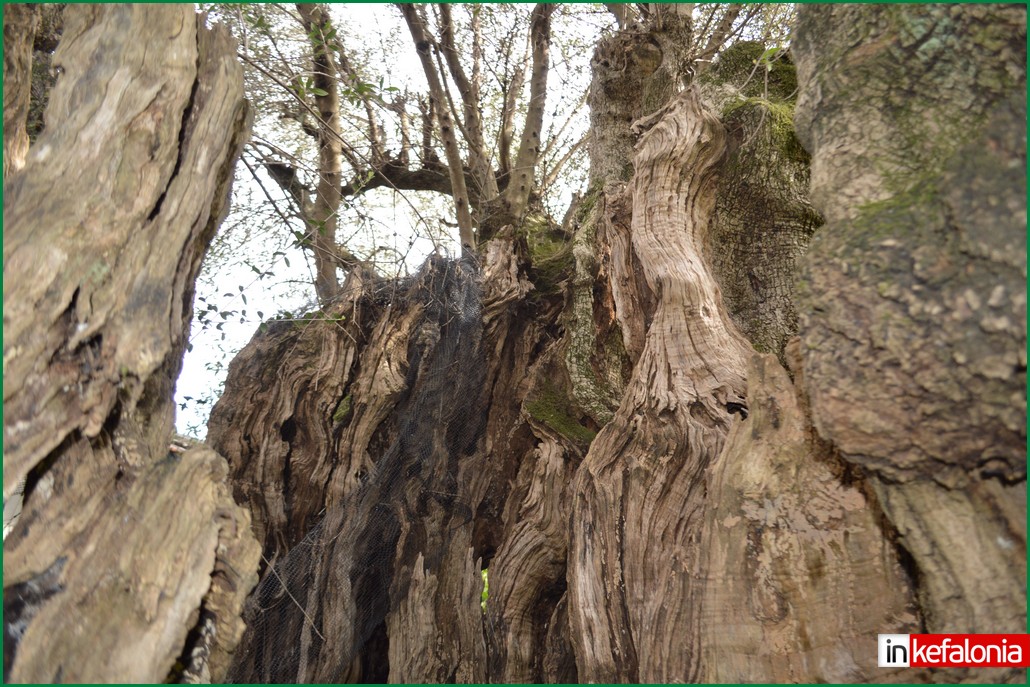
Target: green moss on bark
555, 410
740, 61
342, 409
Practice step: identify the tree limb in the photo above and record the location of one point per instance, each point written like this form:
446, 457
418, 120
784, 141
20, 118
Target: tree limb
719, 35
326, 204
552, 175
516, 195
510, 91
417, 28
479, 161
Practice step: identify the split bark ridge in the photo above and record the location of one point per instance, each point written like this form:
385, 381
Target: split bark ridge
121, 549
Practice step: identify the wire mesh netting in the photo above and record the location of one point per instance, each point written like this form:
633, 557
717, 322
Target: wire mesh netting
319, 613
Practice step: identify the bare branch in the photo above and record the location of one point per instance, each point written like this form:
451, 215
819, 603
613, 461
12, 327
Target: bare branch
719, 36
555, 137
510, 92
517, 192
428, 111
399, 106
552, 175
479, 160
461, 201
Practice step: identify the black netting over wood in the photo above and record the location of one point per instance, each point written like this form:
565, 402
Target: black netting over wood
320, 613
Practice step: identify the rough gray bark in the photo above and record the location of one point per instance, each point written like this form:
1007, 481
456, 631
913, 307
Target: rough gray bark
121, 548
913, 302
801, 570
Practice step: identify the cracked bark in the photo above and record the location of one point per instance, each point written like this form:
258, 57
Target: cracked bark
98, 287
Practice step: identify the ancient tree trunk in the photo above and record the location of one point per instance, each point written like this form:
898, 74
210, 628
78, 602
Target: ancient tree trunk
384, 534
797, 549
653, 499
801, 572
121, 548
914, 299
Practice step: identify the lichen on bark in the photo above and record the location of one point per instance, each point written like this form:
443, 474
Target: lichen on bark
914, 293
594, 354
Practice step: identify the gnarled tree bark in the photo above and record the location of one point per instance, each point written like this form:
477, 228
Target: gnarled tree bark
639, 495
106, 571
19, 30
653, 500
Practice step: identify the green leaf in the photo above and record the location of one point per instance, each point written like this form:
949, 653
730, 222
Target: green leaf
319, 91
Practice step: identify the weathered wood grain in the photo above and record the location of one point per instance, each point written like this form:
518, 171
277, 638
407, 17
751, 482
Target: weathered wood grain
105, 229
639, 496
801, 570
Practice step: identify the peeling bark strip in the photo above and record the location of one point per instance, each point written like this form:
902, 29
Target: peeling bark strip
634, 599
913, 297
106, 227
